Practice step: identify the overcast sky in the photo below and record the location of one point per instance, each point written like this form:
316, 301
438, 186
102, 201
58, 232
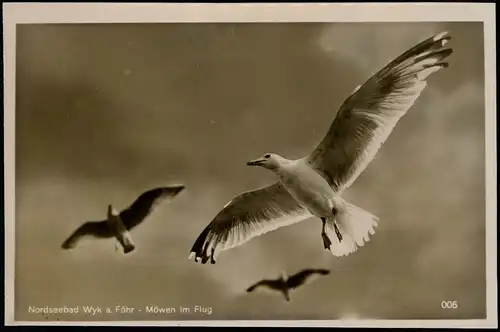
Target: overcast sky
107, 111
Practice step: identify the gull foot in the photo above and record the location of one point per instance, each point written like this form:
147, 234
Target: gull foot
337, 232
326, 241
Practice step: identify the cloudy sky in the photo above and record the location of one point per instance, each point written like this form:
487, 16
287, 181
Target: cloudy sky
104, 112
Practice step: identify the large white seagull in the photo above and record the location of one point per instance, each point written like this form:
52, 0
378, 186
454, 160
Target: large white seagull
313, 185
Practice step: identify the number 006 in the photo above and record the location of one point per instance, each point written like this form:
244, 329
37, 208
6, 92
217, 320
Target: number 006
449, 304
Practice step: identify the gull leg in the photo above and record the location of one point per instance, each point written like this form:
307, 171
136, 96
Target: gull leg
335, 227
326, 240
337, 232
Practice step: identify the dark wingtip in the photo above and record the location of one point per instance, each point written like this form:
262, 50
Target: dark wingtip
174, 189
198, 251
179, 188
442, 39
441, 64
447, 51
67, 245
442, 35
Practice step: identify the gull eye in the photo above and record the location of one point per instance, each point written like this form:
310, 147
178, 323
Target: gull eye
267, 156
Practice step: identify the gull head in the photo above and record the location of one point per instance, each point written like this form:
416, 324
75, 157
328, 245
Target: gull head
112, 212
270, 161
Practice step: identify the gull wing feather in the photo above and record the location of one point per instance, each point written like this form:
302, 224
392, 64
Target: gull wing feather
145, 204
369, 114
96, 229
248, 215
273, 284
301, 277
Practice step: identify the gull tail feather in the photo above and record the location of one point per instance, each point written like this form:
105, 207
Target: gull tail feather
127, 246
122, 235
125, 240
355, 226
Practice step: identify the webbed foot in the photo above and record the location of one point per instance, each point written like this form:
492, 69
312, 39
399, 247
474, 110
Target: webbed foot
326, 241
337, 232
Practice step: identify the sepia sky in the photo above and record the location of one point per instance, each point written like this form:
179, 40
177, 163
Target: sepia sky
105, 112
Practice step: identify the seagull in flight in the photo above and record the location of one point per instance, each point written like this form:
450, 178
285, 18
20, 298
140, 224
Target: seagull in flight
284, 284
313, 185
119, 225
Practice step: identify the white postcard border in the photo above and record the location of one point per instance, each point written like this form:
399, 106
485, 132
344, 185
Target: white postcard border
16, 13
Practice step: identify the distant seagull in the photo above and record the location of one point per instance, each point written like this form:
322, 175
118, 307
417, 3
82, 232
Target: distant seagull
118, 225
284, 284
313, 185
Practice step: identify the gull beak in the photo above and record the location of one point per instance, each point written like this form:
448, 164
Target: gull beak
255, 162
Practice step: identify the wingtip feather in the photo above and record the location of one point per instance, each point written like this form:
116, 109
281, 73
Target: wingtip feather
69, 243
66, 246
441, 35
199, 249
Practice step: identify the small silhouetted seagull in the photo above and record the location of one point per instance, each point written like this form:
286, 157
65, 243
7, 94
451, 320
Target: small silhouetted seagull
313, 185
284, 284
118, 225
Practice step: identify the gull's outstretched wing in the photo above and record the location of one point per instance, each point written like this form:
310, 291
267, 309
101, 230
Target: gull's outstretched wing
145, 204
248, 215
96, 229
273, 284
300, 278
368, 116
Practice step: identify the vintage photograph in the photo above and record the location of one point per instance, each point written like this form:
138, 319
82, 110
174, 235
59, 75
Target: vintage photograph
201, 171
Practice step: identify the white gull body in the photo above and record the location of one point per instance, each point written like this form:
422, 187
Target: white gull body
312, 186
306, 185
312, 191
